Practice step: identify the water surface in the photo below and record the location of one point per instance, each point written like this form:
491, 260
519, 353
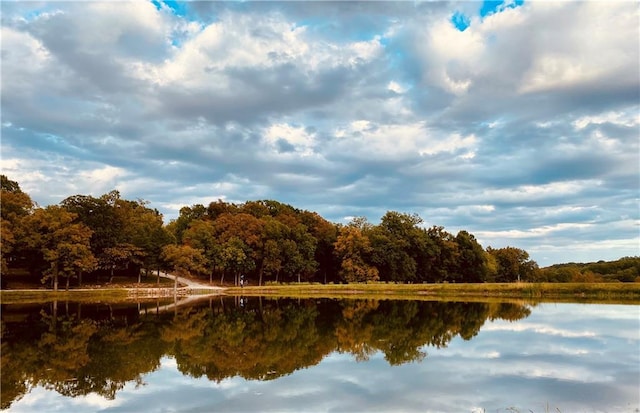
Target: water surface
320, 355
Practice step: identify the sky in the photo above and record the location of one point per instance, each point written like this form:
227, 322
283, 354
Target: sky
518, 121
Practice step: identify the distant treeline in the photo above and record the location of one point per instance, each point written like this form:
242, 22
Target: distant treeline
626, 269
254, 242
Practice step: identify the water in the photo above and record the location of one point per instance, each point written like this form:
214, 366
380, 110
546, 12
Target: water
320, 355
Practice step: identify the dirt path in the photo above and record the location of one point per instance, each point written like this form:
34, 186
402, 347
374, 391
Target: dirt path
192, 284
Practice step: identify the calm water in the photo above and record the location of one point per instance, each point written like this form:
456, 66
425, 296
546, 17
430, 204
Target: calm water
320, 355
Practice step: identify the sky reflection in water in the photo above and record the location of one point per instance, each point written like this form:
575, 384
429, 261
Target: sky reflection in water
571, 357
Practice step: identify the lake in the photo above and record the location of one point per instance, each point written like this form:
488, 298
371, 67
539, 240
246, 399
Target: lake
322, 355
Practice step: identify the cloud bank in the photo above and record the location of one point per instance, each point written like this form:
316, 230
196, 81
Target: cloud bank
519, 123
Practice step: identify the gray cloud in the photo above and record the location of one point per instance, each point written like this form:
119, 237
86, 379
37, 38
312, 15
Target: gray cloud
522, 129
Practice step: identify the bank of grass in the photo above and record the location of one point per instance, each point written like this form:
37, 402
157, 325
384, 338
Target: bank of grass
614, 292
628, 293
43, 296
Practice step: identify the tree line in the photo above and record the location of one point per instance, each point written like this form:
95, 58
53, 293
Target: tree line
259, 241
625, 269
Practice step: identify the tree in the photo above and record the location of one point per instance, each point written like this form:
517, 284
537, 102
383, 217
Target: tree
62, 243
14, 206
444, 254
201, 234
513, 264
326, 234
99, 214
184, 260
395, 242
471, 265
245, 228
120, 257
236, 258
187, 215
354, 249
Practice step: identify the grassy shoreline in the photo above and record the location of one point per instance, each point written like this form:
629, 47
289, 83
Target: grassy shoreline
560, 292
623, 292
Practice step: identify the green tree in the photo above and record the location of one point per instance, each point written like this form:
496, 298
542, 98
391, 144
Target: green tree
444, 254
513, 264
396, 243
471, 265
187, 215
201, 234
236, 258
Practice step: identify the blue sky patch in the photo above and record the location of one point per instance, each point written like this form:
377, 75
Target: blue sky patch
179, 8
491, 6
460, 21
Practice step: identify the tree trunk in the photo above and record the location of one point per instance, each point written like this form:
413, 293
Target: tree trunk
111, 276
68, 279
260, 271
55, 276
79, 278
158, 279
211, 277
222, 278
139, 276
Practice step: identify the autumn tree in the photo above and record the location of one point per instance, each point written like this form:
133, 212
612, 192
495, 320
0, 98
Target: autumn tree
354, 250
63, 244
14, 206
184, 260
120, 257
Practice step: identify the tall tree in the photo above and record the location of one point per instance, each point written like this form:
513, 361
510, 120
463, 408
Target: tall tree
62, 243
471, 263
187, 215
513, 264
354, 250
395, 243
236, 257
201, 234
14, 206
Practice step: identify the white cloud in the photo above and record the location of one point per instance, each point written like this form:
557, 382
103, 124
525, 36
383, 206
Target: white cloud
301, 140
522, 128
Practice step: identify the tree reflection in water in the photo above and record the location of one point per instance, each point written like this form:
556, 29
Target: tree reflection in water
78, 349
